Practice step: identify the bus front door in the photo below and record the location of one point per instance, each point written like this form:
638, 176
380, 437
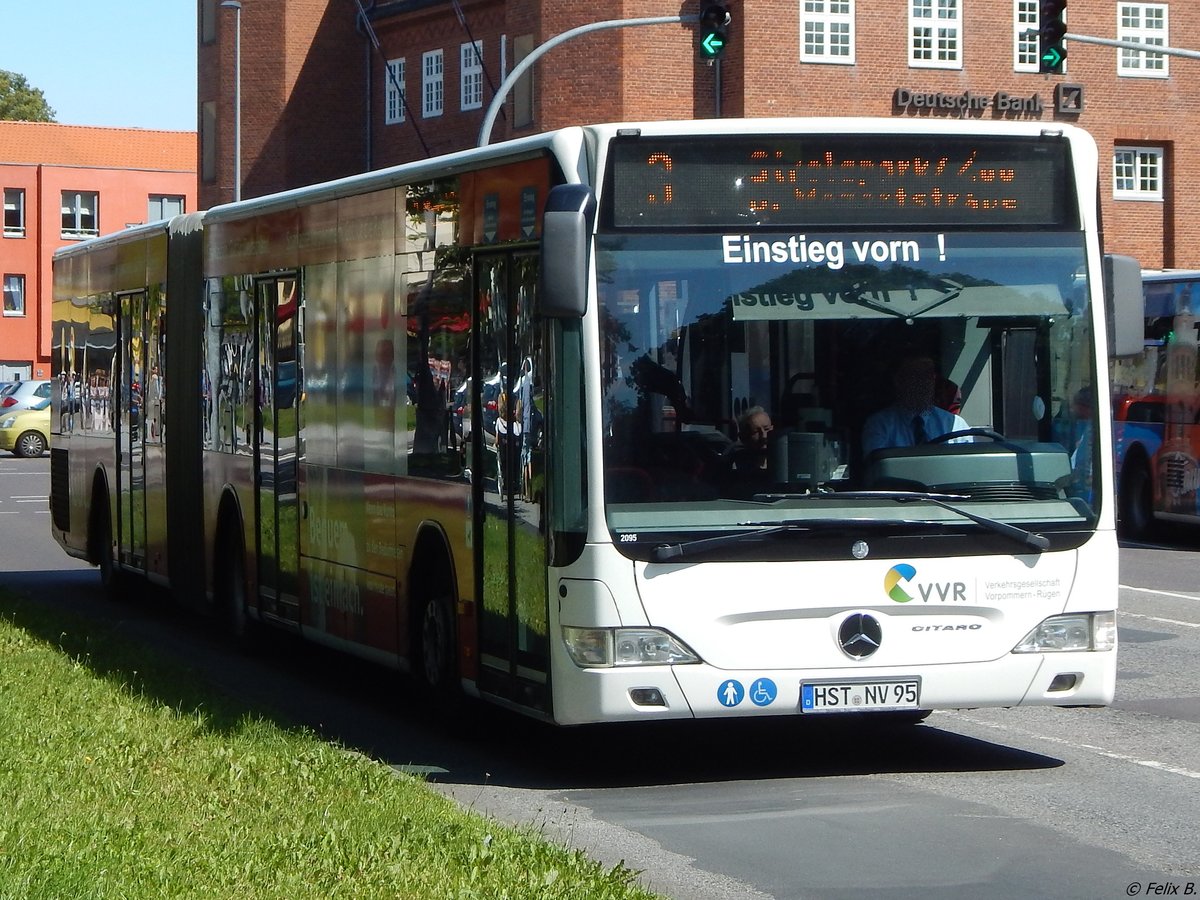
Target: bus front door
130, 434
277, 448
508, 480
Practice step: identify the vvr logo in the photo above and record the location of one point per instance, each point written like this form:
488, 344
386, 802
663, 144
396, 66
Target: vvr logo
946, 592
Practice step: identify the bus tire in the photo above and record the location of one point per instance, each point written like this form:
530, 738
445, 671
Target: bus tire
1135, 503
442, 696
231, 593
436, 665
117, 584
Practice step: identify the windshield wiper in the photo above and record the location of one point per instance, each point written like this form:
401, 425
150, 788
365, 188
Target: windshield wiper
664, 552
859, 297
1020, 535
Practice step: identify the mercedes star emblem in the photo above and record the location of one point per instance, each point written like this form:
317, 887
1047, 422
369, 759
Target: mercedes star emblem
860, 636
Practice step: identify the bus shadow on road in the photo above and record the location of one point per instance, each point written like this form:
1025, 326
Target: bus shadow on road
717, 751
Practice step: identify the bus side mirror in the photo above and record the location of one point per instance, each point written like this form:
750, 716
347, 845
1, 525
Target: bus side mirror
1125, 305
566, 236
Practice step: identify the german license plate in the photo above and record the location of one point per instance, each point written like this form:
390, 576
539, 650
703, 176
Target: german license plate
854, 696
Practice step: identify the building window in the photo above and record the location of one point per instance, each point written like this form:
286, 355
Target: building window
163, 206
827, 31
522, 91
393, 92
14, 295
1025, 39
208, 141
80, 214
432, 94
1137, 173
935, 34
14, 212
208, 21
472, 75
1144, 23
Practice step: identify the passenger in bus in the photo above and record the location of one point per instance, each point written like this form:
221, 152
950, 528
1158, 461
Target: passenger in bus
913, 417
748, 470
749, 457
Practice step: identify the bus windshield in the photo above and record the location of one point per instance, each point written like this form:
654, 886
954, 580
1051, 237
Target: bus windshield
742, 371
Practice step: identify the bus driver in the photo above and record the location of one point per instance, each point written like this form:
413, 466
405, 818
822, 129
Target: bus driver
913, 417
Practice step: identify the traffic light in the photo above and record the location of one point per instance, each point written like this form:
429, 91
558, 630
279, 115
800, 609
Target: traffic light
714, 31
1052, 49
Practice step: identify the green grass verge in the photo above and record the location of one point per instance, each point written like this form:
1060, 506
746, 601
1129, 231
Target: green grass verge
111, 790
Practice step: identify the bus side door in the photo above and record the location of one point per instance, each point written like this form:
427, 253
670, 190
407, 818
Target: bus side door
130, 433
277, 446
508, 479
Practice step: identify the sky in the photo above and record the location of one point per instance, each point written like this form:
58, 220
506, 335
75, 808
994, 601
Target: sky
122, 63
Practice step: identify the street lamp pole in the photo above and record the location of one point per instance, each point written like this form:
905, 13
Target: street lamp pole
236, 6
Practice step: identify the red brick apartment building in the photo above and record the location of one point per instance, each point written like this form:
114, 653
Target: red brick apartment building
319, 100
66, 183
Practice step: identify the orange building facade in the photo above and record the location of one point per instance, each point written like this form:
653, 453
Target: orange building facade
66, 183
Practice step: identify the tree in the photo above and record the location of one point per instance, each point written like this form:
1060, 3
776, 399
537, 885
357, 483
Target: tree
21, 103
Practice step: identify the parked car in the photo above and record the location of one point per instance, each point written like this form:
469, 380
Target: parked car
26, 432
460, 408
23, 395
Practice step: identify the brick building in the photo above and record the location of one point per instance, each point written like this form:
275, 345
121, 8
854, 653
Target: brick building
319, 100
66, 183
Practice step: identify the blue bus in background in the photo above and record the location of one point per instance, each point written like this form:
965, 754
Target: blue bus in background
1156, 409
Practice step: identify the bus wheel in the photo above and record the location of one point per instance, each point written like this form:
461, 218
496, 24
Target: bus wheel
103, 550
437, 666
231, 592
1136, 503
437, 648
117, 585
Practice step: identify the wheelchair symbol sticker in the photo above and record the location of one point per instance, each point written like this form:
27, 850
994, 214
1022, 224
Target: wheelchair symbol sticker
763, 692
730, 693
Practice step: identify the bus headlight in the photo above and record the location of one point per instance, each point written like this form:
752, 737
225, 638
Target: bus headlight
607, 647
1072, 631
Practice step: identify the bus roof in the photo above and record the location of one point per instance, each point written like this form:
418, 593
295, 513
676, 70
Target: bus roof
116, 238
564, 144
568, 146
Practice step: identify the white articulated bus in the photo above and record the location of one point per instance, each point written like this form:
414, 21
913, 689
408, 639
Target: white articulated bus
477, 418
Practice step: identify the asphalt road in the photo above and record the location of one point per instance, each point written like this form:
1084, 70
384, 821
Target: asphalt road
988, 803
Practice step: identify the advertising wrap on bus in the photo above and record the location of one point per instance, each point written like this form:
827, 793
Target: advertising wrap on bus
624, 422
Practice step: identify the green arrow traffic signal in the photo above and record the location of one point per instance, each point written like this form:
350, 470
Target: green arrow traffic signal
1052, 59
1052, 29
712, 45
714, 25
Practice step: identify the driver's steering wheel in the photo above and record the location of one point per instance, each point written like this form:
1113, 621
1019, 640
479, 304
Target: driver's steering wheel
967, 432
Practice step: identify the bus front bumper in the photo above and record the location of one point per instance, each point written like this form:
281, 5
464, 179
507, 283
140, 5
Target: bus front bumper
1080, 678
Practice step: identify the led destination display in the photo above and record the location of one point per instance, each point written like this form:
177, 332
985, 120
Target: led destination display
840, 180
